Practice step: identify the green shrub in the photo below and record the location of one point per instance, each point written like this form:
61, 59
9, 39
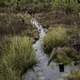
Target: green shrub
18, 56
55, 38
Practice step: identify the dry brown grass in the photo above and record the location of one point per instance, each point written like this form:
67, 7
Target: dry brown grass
16, 24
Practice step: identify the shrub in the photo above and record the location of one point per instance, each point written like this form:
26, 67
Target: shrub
18, 56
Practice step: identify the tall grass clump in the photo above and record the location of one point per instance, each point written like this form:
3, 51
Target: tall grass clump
55, 38
59, 44
65, 55
18, 56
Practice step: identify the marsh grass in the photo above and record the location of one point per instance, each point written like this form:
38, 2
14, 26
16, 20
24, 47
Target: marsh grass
57, 37
60, 37
17, 56
63, 40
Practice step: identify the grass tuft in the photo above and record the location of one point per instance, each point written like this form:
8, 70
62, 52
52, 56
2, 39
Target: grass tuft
63, 40
18, 56
55, 38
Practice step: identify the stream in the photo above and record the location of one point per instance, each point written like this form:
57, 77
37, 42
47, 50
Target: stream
42, 71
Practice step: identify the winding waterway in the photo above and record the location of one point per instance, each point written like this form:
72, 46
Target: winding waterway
42, 71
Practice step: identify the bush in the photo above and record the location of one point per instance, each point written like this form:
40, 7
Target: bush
55, 38
18, 56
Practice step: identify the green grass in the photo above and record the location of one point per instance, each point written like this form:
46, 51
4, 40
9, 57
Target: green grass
65, 55
17, 56
57, 37
62, 39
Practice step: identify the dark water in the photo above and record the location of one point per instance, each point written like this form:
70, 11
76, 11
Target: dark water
42, 71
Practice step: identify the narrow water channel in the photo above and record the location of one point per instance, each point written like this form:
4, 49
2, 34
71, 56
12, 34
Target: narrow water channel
42, 71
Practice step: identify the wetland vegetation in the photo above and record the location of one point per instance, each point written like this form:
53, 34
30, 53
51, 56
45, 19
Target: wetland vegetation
61, 18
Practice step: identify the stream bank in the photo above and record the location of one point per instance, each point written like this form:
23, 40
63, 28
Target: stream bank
42, 71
